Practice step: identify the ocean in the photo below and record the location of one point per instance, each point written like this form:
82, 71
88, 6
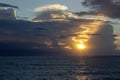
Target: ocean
59, 68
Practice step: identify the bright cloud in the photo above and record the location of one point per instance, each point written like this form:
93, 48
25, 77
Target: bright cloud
53, 11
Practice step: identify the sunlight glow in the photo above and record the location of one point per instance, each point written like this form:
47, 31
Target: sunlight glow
83, 36
81, 46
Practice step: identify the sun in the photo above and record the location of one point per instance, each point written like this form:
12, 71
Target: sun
81, 46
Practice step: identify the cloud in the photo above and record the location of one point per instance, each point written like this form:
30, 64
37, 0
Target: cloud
104, 43
7, 5
15, 48
53, 11
110, 8
56, 36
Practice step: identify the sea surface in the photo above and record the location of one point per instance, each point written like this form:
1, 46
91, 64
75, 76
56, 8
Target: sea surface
59, 68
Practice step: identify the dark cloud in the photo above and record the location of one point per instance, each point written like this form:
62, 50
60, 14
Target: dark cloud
54, 36
102, 44
15, 48
86, 13
51, 35
7, 5
110, 8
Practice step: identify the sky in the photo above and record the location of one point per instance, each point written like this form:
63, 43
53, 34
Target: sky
27, 6
62, 26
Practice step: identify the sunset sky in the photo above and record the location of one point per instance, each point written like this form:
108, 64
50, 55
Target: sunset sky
88, 26
26, 7
59, 39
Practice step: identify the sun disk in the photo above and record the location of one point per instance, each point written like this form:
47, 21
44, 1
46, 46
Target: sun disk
81, 46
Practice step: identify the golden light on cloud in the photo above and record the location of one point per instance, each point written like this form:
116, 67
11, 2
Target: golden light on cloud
117, 42
88, 29
58, 16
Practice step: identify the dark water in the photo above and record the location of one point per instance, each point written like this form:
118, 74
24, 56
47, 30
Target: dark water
59, 68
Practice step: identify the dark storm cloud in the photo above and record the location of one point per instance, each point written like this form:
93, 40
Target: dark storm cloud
7, 5
53, 35
21, 37
15, 48
101, 43
110, 8
24, 37
86, 13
